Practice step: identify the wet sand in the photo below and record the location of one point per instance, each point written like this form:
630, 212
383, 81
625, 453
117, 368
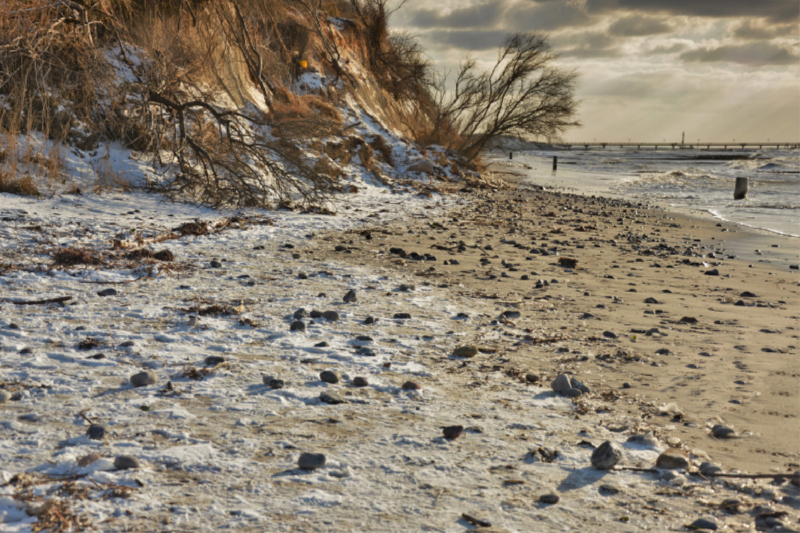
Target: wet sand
710, 362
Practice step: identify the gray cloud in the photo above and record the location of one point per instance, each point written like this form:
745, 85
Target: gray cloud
636, 26
664, 49
752, 54
748, 30
468, 39
775, 10
594, 44
482, 15
548, 16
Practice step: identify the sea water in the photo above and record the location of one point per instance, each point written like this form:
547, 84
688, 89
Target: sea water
682, 179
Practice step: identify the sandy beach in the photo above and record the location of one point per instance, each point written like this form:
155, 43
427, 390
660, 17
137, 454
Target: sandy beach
524, 284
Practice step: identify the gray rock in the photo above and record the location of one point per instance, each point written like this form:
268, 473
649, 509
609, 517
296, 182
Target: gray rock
561, 384
704, 523
572, 393
712, 272
406, 288
606, 456
316, 314
330, 376
142, 379
360, 382
86, 460
580, 386
97, 432
721, 431
126, 462
214, 360
311, 461
350, 297
708, 469
465, 351
645, 439
422, 165
330, 397
672, 460
26, 350
549, 499
333, 316
609, 489
4, 396
107, 292
273, 383
297, 325
216, 264
609, 335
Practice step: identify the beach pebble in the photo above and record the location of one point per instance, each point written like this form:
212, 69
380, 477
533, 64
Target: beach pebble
216, 264
511, 315
369, 320
315, 314
708, 469
358, 381
644, 439
651, 301
273, 383
4, 396
297, 325
606, 456
549, 499
580, 386
687, 320
465, 351
214, 360
410, 385
452, 432
704, 523
626, 385
300, 313
402, 316
350, 297
531, 378
712, 272
672, 460
407, 288
86, 460
107, 292
572, 393
311, 461
609, 335
126, 462
142, 379
331, 397
748, 294
333, 316
721, 431
609, 489
561, 384
96, 432
330, 376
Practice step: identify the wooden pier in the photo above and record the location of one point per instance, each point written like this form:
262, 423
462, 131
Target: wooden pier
684, 146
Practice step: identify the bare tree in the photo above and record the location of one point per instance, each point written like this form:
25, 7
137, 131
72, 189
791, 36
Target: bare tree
524, 94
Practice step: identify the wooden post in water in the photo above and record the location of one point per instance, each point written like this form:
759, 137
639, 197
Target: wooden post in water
741, 188
511, 155
555, 163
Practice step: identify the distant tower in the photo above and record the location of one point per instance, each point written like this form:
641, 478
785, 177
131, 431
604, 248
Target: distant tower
683, 137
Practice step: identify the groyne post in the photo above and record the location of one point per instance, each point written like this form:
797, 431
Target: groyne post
555, 163
741, 188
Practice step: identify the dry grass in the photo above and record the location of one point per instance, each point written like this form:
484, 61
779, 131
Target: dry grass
73, 256
21, 185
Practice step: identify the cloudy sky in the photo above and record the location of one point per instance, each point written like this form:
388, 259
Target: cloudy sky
649, 69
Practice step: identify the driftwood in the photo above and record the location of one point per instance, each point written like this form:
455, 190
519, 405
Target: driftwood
58, 300
788, 475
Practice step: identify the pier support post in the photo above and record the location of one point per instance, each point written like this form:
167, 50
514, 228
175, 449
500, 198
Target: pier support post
555, 163
741, 188
511, 155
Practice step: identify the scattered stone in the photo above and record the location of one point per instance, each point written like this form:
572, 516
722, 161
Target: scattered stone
142, 379
721, 431
748, 294
609, 335
126, 462
26, 350
572, 393
297, 325
86, 460
402, 316
107, 292
4, 396
323, 344
568, 262
549, 499
687, 320
704, 523
609, 489
216, 264
410, 385
360, 382
512, 315
364, 350
531, 378
708, 469
273, 383
315, 314
302, 275
561, 384
407, 288
672, 460
364, 338
300, 313
311, 461
452, 432
731, 505
465, 351
350, 297
330, 376
626, 385
96, 432
606, 456
214, 360
712, 272
333, 316
651, 301
331, 397
580, 386
643, 439
369, 320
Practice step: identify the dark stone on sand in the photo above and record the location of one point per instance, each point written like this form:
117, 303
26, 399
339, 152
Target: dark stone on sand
402, 316
626, 385
663, 351
297, 325
672, 460
572, 393
86, 460
704, 523
549, 499
609, 489
214, 360
360, 382
311, 461
350, 297
96, 432
333, 316
687, 320
126, 462
302, 275
332, 398
315, 314
748, 294
609, 335
651, 301
275, 383
531, 378
216, 264
708, 469
465, 351
323, 344
300, 313
107, 292
407, 288
330, 376
410, 385
142, 379
512, 314
721, 431
606, 456
369, 320
452, 432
